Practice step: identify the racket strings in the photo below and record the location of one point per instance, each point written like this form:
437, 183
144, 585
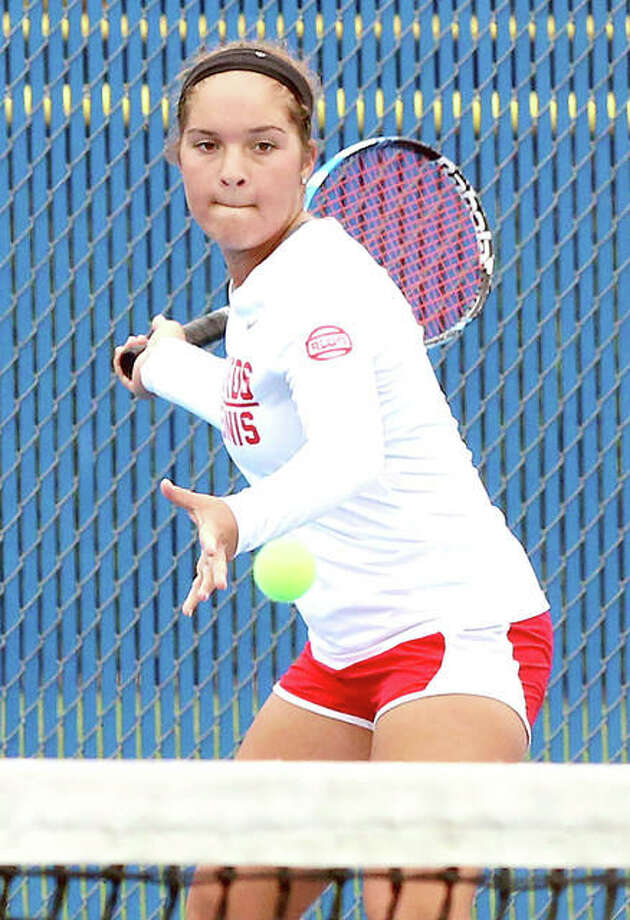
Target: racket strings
409, 215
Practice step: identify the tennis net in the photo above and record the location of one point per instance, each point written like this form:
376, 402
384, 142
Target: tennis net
105, 839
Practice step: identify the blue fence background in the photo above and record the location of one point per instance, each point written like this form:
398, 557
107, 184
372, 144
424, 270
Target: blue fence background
531, 99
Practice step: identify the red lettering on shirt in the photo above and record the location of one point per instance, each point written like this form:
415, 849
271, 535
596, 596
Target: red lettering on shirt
246, 393
237, 382
230, 427
250, 432
326, 342
238, 426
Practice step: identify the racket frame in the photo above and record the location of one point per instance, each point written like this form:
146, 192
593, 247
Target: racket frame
466, 192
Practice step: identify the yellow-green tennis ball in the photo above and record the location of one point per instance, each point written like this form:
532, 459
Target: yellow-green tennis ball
284, 569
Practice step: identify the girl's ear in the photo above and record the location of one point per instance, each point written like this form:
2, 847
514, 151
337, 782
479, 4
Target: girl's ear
310, 159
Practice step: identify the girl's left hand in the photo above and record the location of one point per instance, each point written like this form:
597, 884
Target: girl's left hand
218, 536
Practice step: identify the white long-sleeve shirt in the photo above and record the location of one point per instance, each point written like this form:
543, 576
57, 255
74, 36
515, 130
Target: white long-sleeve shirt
330, 407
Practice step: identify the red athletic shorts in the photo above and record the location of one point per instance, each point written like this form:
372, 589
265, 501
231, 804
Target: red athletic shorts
509, 663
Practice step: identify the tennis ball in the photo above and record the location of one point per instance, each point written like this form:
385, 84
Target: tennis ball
284, 569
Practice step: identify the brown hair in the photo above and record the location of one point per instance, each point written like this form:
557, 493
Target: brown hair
299, 113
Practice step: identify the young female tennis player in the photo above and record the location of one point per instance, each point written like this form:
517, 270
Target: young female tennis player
429, 634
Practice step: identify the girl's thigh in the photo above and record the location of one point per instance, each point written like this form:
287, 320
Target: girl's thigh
445, 728
284, 731
280, 731
454, 727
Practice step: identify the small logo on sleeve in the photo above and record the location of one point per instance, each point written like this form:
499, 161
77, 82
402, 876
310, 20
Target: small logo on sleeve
328, 342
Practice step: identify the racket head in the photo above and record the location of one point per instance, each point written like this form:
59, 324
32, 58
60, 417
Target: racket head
418, 216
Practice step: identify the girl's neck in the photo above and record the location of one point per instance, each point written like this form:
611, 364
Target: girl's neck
241, 263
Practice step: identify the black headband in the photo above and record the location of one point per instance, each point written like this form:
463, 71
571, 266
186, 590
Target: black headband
256, 60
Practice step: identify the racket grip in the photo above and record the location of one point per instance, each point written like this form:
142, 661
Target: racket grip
128, 359
202, 331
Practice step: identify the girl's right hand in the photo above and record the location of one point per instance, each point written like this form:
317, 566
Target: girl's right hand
134, 385
160, 328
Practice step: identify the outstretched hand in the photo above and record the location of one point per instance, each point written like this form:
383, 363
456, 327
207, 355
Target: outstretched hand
218, 536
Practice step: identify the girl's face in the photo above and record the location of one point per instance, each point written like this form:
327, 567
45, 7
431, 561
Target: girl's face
242, 163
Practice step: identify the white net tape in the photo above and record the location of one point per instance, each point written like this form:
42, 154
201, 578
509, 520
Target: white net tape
314, 814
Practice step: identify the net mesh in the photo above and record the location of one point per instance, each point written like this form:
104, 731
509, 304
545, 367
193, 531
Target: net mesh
531, 100
125, 891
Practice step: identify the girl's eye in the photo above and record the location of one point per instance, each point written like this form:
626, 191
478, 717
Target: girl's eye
206, 146
264, 146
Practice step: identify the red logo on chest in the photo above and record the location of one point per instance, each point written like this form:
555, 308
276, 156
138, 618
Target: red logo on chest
327, 342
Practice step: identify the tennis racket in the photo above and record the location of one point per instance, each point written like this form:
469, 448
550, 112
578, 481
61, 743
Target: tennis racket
417, 215
200, 331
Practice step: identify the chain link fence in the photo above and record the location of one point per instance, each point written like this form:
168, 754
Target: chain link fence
531, 99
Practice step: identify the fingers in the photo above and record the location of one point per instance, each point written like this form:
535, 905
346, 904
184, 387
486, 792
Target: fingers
122, 377
220, 570
136, 341
209, 514
211, 574
183, 498
198, 506
195, 596
161, 327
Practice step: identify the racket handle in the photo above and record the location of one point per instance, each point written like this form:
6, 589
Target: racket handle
202, 331
128, 359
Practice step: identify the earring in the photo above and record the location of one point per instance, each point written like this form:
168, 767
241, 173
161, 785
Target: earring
303, 180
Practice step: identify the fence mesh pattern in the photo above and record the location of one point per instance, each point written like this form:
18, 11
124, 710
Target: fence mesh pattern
531, 99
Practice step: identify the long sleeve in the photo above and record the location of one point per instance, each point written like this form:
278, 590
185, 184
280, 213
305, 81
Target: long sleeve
187, 376
338, 405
